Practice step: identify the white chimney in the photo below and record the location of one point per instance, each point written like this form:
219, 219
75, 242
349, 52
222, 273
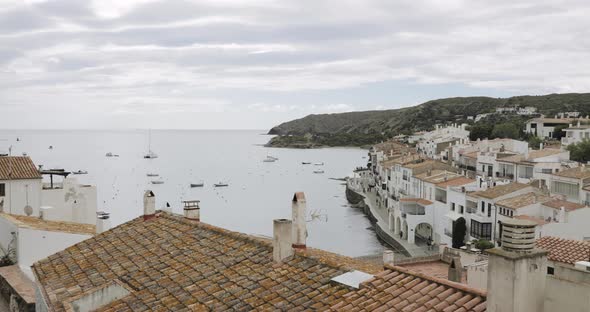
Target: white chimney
298, 207
103, 222
516, 271
149, 205
388, 257
192, 211
562, 215
282, 241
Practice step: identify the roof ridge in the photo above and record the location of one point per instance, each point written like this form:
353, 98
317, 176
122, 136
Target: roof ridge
458, 286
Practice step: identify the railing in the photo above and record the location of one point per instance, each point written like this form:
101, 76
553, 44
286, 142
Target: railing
471, 210
441, 199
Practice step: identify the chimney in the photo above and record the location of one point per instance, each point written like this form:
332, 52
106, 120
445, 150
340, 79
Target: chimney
298, 207
388, 257
516, 271
562, 215
192, 211
149, 205
541, 145
281, 241
455, 271
103, 222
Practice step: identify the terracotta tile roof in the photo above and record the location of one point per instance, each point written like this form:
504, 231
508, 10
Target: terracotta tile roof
18, 167
518, 158
538, 221
523, 200
500, 190
458, 181
173, 264
582, 172
558, 203
400, 289
52, 226
565, 250
437, 176
421, 201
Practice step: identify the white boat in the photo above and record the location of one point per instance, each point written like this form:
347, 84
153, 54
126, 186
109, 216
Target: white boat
153, 175
268, 160
157, 182
319, 164
109, 154
80, 172
306, 163
272, 157
200, 184
150, 154
318, 171
220, 184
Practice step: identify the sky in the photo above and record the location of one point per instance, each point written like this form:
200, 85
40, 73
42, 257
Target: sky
252, 64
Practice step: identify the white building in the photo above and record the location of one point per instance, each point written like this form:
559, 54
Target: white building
545, 127
433, 143
23, 192
533, 165
575, 134
571, 184
32, 239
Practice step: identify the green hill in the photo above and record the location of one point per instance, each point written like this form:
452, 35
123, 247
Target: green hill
368, 127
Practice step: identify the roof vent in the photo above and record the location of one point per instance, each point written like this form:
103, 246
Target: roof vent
518, 235
352, 279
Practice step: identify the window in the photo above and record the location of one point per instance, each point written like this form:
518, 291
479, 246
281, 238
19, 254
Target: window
452, 206
481, 230
568, 189
525, 172
546, 170
461, 209
2, 189
489, 210
550, 270
483, 207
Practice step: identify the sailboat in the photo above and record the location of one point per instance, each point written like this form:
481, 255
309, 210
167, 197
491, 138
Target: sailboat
150, 154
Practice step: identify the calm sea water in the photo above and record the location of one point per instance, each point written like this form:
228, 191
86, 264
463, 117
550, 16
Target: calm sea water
258, 192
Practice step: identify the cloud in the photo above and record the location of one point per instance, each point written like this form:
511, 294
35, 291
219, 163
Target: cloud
281, 59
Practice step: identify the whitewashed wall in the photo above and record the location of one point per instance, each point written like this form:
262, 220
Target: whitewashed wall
75, 202
16, 196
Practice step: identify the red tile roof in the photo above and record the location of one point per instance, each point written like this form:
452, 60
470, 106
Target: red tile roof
400, 289
565, 250
172, 264
456, 182
420, 201
558, 203
18, 167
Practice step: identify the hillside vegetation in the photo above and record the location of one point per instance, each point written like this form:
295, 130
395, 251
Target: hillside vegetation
368, 127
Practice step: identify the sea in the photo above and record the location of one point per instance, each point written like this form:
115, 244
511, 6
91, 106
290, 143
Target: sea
257, 191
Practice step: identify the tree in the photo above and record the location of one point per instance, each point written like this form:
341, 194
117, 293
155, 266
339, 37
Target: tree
534, 142
506, 130
459, 231
480, 131
482, 244
580, 151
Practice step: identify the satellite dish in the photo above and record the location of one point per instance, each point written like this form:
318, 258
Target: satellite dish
28, 210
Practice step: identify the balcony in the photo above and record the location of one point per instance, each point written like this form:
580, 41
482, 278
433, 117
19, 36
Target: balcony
471, 210
404, 215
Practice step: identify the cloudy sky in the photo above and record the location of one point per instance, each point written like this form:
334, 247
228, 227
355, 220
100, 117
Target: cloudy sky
250, 64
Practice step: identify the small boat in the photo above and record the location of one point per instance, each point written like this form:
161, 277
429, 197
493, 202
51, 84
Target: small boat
319, 164
268, 160
220, 184
200, 184
272, 157
318, 171
25, 154
306, 163
150, 154
80, 172
50, 147
157, 182
153, 175
109, 154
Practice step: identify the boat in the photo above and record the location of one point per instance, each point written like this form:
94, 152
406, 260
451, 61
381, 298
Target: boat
306, 163
319, 164
80, 172
109, 154
272, 157
200, 184
153, 175
220, 184
150, 154
25, 154
268, 160
318, 171
157, 182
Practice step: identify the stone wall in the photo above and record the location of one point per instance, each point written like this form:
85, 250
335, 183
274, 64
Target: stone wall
17, 304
